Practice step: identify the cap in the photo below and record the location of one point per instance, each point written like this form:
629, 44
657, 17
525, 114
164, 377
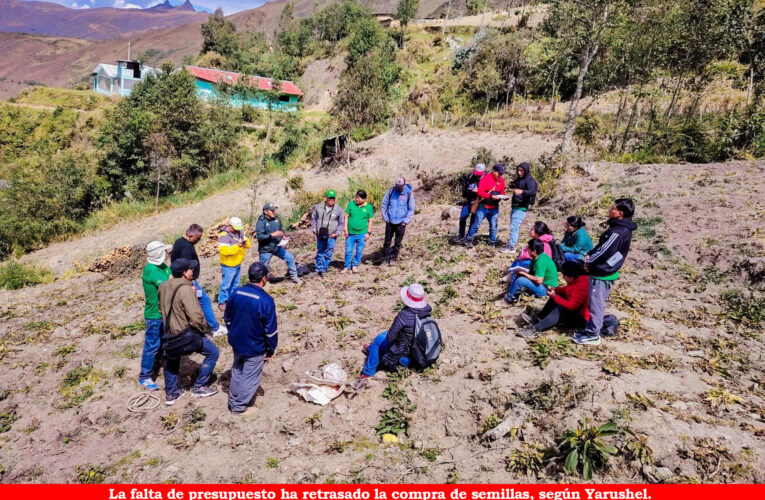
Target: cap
180, 266
400, 181
480, 167
331, 193
257, 272
236, 223
155, 252
269, 206
499, 167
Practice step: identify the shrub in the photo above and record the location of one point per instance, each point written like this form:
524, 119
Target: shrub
585, 449
14, 275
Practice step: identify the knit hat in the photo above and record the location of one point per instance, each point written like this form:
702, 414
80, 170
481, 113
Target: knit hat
414, 296
155, 252
236, 223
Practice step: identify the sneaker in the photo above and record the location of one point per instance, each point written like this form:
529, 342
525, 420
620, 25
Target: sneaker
364, 376
527, 333
320, 274
204, 391
467, 243
345, 270
149, 384
506, 278
457, 239
221, 331
527, 319
507, 249
170, 400
586, 338
296, 280
354, 270
251, 410
513, 300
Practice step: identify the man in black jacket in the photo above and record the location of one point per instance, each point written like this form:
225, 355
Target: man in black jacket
271, 242
469, 195
603, 263
524, 189
183, 248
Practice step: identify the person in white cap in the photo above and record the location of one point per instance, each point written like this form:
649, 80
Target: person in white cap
469, 195
155, 272
397, 212
391, 349
232, 248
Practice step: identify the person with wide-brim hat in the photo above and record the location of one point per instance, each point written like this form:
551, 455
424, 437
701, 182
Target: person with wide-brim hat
155, 272
390, 349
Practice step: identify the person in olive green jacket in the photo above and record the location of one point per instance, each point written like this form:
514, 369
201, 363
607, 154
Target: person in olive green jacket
155, 272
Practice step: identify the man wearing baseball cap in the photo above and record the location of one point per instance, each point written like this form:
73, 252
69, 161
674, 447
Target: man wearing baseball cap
270, 234
155, 272
232, 248
327, 220
469, 195
491, 189
397, 212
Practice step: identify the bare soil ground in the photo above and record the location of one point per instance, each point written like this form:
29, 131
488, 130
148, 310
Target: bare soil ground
685, 372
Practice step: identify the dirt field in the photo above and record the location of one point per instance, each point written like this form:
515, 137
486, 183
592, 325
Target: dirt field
685, 372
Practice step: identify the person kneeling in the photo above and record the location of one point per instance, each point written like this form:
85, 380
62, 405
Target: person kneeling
392, 348
567, 304
542, 274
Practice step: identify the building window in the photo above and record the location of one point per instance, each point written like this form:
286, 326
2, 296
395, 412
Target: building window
284, 98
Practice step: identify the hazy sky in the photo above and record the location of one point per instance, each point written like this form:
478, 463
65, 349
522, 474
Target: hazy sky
228, 6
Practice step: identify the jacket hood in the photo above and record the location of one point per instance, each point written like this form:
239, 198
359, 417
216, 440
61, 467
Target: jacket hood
546, 238
423, 312
526, 170
625, 222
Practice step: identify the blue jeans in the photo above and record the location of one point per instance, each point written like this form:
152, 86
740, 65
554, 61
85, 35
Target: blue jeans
324, 249
204, 301
358, 241
517, 286
228, 282
150, 347
172, 366
481, 214
516, 219
283, 254
376, 349
572, 257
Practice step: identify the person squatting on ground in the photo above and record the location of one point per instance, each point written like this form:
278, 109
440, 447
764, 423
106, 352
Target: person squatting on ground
397, 211
491, 189
327, 220
469, 195
603, 263
358, 228
541, 275
392, 348
524, 188
270, 235
183, 248
232, 248
181, 311
576, 242
251, 319
567, 304
155, 272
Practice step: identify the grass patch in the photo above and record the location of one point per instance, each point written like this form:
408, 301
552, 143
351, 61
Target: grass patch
743, 307
78, 384
646, 226
14, 275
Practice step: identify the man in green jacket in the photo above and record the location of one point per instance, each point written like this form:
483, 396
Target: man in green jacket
155, 272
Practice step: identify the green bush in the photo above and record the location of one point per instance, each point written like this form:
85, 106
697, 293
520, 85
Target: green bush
14, 275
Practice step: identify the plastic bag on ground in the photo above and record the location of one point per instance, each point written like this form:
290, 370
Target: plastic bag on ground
322, 390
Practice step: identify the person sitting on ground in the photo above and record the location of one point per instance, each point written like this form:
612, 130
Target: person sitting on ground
232, 248
524, 189
271, 242
155, 272
358, 229
397, 211
541, 275
567, 304
603, 263
327, 220
251, 318
469, 195
491, 190
183, 248
180, 311
391, 349
576, 242
539, 231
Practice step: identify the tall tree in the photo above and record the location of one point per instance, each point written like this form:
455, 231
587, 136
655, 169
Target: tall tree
405, 12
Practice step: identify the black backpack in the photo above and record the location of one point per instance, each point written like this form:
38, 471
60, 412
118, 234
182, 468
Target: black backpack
610, 326
427, 343
557, 254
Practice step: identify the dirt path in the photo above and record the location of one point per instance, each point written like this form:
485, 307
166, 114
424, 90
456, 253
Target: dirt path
388, 155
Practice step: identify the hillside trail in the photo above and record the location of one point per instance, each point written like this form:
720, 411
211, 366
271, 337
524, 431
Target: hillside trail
388, 155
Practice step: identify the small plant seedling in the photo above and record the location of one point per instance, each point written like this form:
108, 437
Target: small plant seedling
527, 460
272, 462
170, 421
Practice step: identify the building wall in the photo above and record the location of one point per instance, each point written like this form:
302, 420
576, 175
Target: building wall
206, 91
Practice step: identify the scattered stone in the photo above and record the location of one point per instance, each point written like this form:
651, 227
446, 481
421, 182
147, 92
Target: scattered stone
655, 475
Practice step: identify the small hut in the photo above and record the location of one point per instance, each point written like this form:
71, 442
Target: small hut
336, 149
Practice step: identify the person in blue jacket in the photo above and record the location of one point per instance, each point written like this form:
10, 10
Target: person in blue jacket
397, 211
251, 319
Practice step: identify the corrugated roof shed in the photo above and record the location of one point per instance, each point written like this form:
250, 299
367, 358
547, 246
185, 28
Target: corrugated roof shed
218, 76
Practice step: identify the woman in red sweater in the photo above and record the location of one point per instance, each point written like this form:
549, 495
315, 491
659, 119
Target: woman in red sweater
567, 304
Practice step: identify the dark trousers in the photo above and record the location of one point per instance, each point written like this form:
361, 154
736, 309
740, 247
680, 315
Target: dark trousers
552, 314
463, 219
391, 230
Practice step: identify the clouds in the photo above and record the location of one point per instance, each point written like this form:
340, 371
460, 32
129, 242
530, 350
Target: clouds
75, 5
229, 6
122, 4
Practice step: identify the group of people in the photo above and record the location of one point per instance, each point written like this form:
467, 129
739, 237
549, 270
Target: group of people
179, 313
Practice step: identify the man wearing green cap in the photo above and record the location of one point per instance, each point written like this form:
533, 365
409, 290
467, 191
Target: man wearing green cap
271, 241
326, 221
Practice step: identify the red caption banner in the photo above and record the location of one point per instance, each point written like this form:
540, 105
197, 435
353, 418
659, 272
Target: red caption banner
382, 492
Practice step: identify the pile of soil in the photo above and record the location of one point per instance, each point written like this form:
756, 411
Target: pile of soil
121, 261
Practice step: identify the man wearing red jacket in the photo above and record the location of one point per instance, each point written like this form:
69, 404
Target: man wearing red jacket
491, 190
567, 304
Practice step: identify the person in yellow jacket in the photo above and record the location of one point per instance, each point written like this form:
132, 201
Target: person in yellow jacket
232, 247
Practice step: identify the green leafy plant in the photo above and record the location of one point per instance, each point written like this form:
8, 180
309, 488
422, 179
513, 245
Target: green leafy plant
543, 349
636, 447
584, 448
394, 420
272, 462
527, 460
